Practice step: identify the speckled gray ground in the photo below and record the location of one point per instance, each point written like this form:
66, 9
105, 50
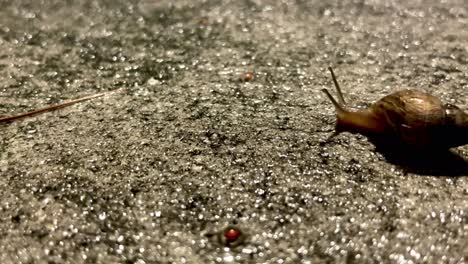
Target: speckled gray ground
186, 148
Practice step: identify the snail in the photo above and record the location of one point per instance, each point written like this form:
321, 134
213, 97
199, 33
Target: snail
411, 117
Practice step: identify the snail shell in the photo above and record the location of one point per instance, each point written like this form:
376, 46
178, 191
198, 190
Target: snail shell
414, 117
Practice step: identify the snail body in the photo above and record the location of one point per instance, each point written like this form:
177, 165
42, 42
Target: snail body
413, 117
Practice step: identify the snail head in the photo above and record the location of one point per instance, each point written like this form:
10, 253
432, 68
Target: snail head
454, 131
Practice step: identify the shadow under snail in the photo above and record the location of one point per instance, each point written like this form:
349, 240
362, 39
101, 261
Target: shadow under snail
412, 117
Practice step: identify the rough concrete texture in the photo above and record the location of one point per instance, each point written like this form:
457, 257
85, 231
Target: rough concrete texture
154, 173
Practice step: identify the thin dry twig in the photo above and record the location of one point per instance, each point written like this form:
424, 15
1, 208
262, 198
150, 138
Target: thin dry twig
51, 108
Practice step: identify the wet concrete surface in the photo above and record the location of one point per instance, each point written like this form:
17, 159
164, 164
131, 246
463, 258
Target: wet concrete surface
194, 161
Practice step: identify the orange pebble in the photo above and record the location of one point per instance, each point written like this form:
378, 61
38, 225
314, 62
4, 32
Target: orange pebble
248, 76
232, 234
